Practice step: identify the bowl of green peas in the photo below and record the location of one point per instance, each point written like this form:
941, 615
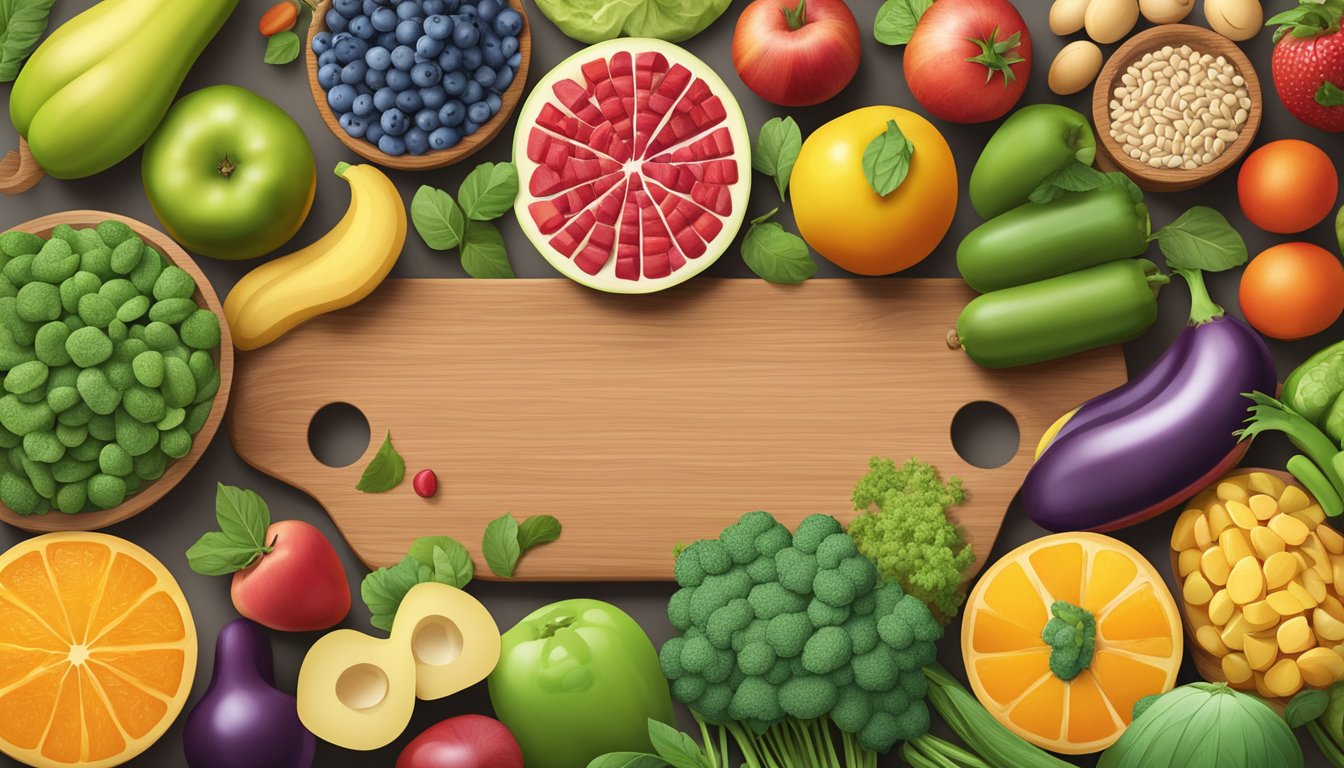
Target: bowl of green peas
115, 365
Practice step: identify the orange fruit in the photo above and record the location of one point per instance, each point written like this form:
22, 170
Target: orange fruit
97, 650
1137, 649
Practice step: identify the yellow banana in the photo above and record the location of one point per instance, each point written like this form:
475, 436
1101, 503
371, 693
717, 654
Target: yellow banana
338, 270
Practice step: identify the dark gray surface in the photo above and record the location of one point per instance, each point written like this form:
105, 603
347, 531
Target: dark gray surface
235, 57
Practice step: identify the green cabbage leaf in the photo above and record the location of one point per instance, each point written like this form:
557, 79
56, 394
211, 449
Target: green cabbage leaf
592, 21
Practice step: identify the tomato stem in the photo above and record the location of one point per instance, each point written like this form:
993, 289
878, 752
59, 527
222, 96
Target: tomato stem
998, 55
796, 17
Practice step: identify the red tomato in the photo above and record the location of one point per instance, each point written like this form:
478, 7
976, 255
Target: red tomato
1293, 290
796, 56
968, 60
1287, 186
278, 18
465, 741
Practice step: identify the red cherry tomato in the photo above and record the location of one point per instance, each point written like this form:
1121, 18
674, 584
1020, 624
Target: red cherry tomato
1287, 186
1293, 290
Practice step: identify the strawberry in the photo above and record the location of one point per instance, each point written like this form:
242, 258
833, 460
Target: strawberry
1308, 63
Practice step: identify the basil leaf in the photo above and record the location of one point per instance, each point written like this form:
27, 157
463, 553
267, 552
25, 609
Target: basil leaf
1329, 95
281, 48
438, 218
775, 254
22, 23
215, 554
500, 545
678, 749
242, 516
483, 253
886, 160
1074, 177
776, 150
488, 191
385, 471
627, 760
384, 589
896, 20
1305, 707
422, 549
1201, 239
537, 530
453, 566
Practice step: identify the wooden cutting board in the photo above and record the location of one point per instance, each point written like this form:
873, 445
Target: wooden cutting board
640, 421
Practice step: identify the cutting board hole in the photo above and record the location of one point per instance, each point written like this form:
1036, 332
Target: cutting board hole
985, 434
338, 434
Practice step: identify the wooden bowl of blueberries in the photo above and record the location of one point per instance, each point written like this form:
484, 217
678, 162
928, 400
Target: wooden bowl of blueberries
417, 84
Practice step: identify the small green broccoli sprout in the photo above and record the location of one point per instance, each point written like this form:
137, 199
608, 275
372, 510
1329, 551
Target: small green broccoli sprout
1071, 634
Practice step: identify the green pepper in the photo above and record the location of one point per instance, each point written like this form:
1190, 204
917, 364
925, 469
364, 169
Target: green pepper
578, 679
1038, 241
1064, 315
1033, 143
1315, 384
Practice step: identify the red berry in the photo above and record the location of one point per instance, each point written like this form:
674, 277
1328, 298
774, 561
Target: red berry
426, 483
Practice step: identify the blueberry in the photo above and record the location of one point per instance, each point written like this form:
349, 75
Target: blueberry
363, 105
469, 128
508, 23
394, 122
348, 8
515, 61
386, 40
450, 6
374, 132
443, 138
433, 97
361, 27
478, 112
407, 9
492, 54
321, 42
467, 10
465, 35
508, 46
376, 78
432, 7
378, 57
384, 19
354, 125
408, 31
403, 57
341, 98
454, 83
417, 141
426, 75
392, 145
353, 73
503, 80
398, 79
348, 49
474, 92
369, 6
335, 21
450, 60
488, 9
409, 101
452, 114
384, 99
329, 76
495, 103
472, 59
484, 75
428, 48
427, 119
438, 27
326, 57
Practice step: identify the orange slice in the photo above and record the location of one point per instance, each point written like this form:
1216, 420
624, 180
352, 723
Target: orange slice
1136, 651
97, 650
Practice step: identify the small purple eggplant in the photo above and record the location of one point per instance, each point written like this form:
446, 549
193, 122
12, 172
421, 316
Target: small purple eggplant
243, 721
1144, 447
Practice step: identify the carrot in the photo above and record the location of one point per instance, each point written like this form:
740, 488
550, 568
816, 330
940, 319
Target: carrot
279, 18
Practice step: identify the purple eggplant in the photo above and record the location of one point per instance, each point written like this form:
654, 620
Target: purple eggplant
1144, 447
243, 721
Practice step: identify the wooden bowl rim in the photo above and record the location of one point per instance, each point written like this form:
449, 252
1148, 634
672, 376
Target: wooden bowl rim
468, 146
1206, 41
55, 520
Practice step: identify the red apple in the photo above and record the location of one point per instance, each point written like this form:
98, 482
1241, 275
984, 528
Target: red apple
466, 741
796, 52
299, 586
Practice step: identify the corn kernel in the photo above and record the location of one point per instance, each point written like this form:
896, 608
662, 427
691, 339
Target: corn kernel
1320, 667
1237, 670
1235, 544
1202, 538
1264, 541
1263, 507
1293, 499
1197, 590
1279, 569
1263, 482
1261, 651
1188, 561
1241, 515
1290, 529
1215, 566
1231, 491
1245, 583
1284, 678
1327, 627
1262, 614
1209, 640
1294, 635
1330, 539
1284, 603
1221, 607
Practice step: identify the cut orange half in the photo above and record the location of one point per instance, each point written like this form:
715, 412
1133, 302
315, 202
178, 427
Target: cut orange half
1136, 650
97, 650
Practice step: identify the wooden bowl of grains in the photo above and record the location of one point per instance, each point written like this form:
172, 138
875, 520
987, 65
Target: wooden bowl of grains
1175, 106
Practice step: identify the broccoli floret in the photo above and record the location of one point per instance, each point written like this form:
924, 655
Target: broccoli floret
688, 688
796, 570
756, 658
887, 596
916, 686
916, 657
813, 530
1143, 704
669, 658
739, 539
721, 666
769, 543
823, 615
885, 729
835, 549
926, 627
679, 608
865, 604
876, 670
762, 570
716, 592
755, 699
697, 654
714, 557
895, 631
862, 633
772, 599
831, 587
827, 650
753, 633
842, 677
686, 569
787, 633
735, 679
852, 709
781, 671
713, 703
807, 698
894, 701
728, 620
1071, 634
861, 573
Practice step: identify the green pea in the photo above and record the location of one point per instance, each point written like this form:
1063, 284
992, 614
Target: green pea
76, 287
87, 451
201, 330
96, 310
26, 377
12, 355
19, 270
16, 243
179, 386
88, 347
159, 336
114, 460
63, 376
72, 498
206, 392
7, 288
171, 311
148, 367
98, 261
21, 418
32, 396
76, 415
133, 309
106, 491
71, 470
65, 232
176, 442
38, 302
15, 458
71, 436
150, 466
119, 375
101, 397
197, 415
118, 291
87, 239
19, 495
127, 350
172, 419
9, 439
146, 274
144, 404
43, 446
174, 283
179, 352
103, 426
73, 322
39, 475
138, 330
61, 398
126, 257
55, 262
116, 331
114, 233
49, 343
135, 436
20, 331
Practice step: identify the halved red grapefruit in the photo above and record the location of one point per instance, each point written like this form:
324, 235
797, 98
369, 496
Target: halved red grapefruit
635, 166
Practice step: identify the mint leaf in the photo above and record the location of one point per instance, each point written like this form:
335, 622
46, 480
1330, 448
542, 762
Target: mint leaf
537, 530
886, 160
775, 254
483, 252
385, 471
282, 48
422, 549
776, 150
1305, 707
896, 20
1074, 177
1329, 95
438, 218
453, 566
1201, 239
627, 760
22, 23
243, 518
214, 554
384, 589
488, 191
500, 546
678, 749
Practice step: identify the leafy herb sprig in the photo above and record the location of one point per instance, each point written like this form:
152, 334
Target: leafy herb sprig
440, 559
385, 471
769, 250
22, 23
486, 194
284, 46
506, 540
243, 518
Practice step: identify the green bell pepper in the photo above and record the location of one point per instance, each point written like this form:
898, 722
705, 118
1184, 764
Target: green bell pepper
578, 679
1033, 143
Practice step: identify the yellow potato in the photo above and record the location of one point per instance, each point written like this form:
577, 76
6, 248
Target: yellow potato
1320, 667
1315, 585
1262, 614
1264, 541
1279, 569
1209, 639
1302, 595
1293, 499
1261, 652
1241, 515
1221, 607
1235, 632
1263, 506
1202, 538
1235, 544
1183, 535
1284, 678
1219, 520
1197, 590
1289, 528
1246, 583
1327, 627
1294, 635
1238, 671
1215, 565
1330, 538
1263, 482
1232, 491
1188, 561
1312, 515
1284, 603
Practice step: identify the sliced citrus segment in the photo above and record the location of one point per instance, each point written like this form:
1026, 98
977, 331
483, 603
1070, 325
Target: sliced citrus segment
97, 650
1064, 673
